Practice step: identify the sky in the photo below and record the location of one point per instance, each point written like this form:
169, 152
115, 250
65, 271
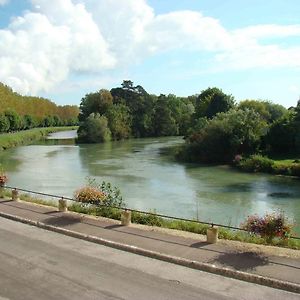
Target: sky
64, 49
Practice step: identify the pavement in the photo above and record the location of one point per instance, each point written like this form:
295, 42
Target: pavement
273, 267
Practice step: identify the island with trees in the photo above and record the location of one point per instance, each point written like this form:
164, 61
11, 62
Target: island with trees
216, 129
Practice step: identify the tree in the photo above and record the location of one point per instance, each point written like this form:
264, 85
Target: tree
284, 134
140, 105
228, 134
13, 119
268, 111
212, 101
4, 123
164, 123
94, 129
29, 122
98, 102
119, 120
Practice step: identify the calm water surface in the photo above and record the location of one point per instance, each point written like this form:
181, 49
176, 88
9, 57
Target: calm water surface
150, 179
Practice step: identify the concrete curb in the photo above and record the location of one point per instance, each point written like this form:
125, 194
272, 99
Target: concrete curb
253, 278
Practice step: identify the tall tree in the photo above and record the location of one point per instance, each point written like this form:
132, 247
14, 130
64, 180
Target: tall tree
212, 101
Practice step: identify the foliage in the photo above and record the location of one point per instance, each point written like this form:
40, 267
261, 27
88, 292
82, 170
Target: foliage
212, 101
119, 120
221, 138
98, 102
269, 226
113, 195
4, 123
94, 129
36, 107
268, 111
164, 122
146, 219
91, 195
256, 163
282, 135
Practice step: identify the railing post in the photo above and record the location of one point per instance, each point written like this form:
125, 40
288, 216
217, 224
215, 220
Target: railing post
15, 195
62, 205
2, 185
212, 234
126, 217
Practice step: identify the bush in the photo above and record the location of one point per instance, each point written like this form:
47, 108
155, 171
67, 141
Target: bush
295, 169
257, 163
90, 195
99, 194
268, 226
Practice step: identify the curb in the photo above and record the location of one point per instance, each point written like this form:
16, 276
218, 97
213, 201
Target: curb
253, 278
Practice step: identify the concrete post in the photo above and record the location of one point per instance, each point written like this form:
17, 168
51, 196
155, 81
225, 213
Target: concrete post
2, 185
212, 234
15, 195
62, 205
126, 217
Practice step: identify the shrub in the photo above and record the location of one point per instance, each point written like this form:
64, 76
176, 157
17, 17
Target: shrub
99, 194
257, 163
90, 195
295, 169
268, 226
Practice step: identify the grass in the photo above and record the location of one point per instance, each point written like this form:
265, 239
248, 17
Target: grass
154, 220
289, 166
25, 137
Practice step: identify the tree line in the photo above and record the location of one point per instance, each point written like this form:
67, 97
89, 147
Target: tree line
215, 127
19, 112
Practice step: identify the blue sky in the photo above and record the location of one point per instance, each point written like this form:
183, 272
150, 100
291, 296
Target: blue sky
63, 49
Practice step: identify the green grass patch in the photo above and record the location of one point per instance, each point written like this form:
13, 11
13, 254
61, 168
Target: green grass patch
25, 137
257, 163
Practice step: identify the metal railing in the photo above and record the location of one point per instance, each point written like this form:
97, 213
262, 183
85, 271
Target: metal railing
212, 224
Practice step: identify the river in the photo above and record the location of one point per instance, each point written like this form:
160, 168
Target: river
150, 179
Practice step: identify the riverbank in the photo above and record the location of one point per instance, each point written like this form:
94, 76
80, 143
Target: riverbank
25, 137
258, 163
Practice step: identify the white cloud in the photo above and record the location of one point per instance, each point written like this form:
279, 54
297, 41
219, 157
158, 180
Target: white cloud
44, 47
4, 2
58, 38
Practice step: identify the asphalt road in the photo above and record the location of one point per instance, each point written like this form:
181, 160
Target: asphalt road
38, 264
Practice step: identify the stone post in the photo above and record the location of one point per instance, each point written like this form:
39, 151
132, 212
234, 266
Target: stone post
212, 234
126, 217
62, 205
15, 195
2, 185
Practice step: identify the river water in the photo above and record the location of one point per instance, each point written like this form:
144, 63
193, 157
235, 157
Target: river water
150, 179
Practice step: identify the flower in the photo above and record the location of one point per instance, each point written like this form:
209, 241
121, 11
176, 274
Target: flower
3, 179
268, 226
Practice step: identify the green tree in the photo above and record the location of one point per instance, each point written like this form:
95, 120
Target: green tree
140, 105
94, 129
212, 101
268, 111
98, 102
165, 124
4, 123
119, 120
29, 122
228, 134
14, 120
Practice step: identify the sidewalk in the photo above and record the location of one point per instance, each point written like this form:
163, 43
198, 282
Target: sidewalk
252, 259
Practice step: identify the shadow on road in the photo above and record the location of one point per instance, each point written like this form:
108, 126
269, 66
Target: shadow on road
241, 261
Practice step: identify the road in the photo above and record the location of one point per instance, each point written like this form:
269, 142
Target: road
38, 264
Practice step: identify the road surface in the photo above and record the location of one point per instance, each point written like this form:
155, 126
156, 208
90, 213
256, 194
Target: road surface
38, 264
